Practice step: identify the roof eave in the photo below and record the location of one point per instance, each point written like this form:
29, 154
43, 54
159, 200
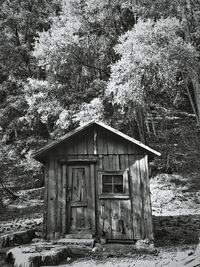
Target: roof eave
39, 153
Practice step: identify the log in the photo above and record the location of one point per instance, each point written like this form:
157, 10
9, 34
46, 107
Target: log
17, 238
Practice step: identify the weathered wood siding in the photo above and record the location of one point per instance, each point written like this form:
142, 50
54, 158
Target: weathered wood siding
106, 143
128, 217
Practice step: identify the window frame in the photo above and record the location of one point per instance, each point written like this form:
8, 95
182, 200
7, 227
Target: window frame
107, 195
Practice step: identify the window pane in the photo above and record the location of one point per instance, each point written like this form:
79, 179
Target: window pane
118, 188
107, 188
118, 179
107, 179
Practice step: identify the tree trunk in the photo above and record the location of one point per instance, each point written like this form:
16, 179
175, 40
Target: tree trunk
196, 88
194, 73
190, 98
140, 124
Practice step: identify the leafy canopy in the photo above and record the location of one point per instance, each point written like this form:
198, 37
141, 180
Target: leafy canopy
153, 55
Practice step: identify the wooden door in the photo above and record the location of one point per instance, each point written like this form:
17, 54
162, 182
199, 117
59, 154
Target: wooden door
78, 197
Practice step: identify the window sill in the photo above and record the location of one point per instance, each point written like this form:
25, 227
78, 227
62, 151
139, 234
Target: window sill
115, 196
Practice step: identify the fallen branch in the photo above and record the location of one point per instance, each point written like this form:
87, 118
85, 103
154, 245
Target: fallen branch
10, 192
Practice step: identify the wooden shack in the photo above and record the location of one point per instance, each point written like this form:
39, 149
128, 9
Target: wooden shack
96, 183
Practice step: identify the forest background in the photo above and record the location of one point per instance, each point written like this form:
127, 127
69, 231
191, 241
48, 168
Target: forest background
132, 64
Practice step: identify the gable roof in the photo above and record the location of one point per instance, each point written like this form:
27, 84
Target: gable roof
48, 147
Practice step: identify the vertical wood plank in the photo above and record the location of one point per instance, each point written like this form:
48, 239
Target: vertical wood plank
135, 195
90, 145
72, 218
79, 217
110, 162
45, 212
79, 141
147, 201
100, 218
116, 162
120, 144
55, 206
115, 148
59, 208
110, 144
126, 219
124, 162
75, 145
95, 142
85, 145
126, 144
92, 178
100, 162
70, 146
64, 210
107, 218
100, 142
105, 144
143, 193
105, 162
115, 232
51, 200
96, 199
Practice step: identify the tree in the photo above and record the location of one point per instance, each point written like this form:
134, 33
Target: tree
155, 59
20, 22
76, 52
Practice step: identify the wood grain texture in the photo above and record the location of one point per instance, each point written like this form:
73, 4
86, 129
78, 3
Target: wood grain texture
64, 210
127, 216
97, 141
45, 212
92, 199
55, 206
59, 207
80, 198
147, 202
135, 195
51, 200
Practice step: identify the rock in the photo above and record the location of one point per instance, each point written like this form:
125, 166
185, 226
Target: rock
145, 244
94, 249
98, 245
69, 259
22, 237
190, 253
35, 256
103, 241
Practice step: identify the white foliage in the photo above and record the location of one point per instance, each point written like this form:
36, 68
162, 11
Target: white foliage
152, 54
90, 111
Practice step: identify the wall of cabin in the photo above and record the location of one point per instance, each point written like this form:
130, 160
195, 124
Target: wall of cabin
127, 217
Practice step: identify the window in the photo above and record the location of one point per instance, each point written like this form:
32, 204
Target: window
112, 183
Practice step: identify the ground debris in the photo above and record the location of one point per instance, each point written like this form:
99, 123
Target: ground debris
17, 238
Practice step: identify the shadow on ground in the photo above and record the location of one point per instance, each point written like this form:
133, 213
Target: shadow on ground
176, 230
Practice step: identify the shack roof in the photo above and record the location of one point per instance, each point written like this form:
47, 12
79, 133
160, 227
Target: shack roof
41, 152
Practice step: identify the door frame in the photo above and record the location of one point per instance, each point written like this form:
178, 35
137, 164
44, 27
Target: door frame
92, 205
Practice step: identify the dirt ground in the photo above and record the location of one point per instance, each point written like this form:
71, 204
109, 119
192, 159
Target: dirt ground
167, 256
176, 220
